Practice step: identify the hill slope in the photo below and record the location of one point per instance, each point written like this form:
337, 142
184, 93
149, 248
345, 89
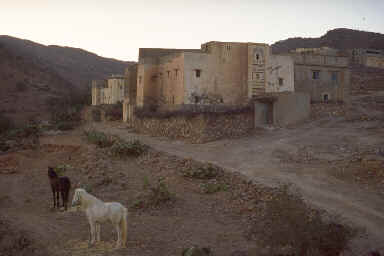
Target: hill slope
340, 38
33, 76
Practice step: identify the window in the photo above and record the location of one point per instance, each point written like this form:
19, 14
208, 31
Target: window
228, 47
255, 76
257, 56
168, 73
139, 79
334, 76
197, 72
176, 71
281, 81
316, 74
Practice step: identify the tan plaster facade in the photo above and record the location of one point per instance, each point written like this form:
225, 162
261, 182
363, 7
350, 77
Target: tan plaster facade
220, 72
116, 88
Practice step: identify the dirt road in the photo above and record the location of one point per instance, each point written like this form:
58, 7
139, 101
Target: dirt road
261, 158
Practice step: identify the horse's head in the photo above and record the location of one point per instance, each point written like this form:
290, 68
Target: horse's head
76, 201
51, 172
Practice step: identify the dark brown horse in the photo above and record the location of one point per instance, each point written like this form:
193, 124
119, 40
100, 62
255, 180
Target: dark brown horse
59, 185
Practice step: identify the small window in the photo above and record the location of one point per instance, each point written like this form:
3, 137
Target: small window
197, 72
255, 76
168, 73
281, 81
139, 79
176, 72
315, 74
334, 76
228, 47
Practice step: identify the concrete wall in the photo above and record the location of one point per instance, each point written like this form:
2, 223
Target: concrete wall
279, 74
291, 108
282, 109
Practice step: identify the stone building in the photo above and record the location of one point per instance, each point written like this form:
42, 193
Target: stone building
117, 88
220, 72
368, 57
324, 74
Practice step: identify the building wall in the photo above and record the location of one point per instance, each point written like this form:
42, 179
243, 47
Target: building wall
97, 85
279, 74
375, 61
257, 57
333, 76
130, 76
223, 74
116, 86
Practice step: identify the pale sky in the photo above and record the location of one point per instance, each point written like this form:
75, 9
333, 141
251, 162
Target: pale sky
118, 28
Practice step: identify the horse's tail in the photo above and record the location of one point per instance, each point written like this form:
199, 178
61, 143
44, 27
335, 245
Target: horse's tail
123, 226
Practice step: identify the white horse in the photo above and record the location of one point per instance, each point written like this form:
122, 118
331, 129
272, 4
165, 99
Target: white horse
98, 212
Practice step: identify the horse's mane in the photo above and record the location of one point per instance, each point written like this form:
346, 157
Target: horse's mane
90, 198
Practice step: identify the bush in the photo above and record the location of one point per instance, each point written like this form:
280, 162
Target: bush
154, 194
205, 171
121, 148
65, 126
213, 187
288, 222
99, 138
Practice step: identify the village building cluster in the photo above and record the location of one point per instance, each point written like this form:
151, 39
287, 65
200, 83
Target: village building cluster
232, 74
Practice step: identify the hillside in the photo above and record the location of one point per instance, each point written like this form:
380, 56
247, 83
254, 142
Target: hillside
340, 38
75, 65
33, 76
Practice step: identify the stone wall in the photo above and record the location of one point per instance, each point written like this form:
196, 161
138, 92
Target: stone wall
197, 127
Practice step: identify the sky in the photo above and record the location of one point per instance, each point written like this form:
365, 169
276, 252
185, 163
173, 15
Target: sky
118, 28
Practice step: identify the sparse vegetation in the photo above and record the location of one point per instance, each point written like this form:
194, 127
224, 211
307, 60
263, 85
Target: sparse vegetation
214, 186
100, 139
117, 146
155, 194
288, 223
204, 171
122, 148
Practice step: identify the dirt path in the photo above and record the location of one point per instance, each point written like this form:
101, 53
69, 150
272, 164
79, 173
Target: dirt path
259, 158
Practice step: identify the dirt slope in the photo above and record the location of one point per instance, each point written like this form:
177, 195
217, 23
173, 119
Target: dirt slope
341, 38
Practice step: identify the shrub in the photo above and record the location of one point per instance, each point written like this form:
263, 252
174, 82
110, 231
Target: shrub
61, 169
205, 171
288, 222
213, 187
99, 138
121, 148
155, 194
65, 126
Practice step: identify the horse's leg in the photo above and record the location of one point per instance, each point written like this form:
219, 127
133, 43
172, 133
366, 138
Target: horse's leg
92, 229
98, 228
58, 198
63, 198
54, 197
118, 230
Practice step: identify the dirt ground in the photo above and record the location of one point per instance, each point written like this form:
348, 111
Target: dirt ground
335, 159
193, 218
